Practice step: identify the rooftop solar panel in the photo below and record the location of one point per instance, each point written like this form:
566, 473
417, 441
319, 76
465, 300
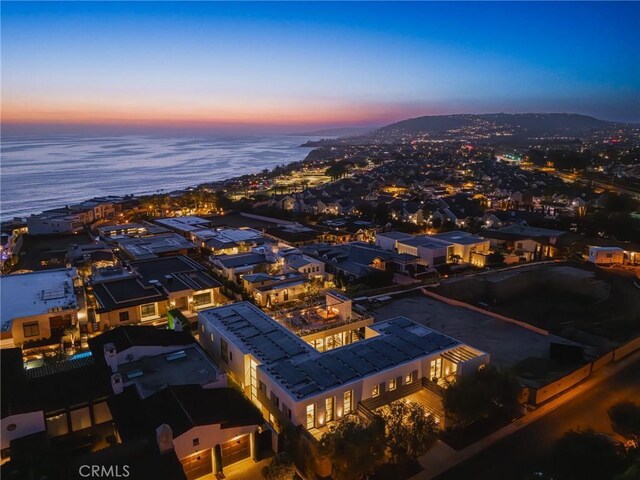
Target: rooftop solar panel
404, 346
304, 391
291, 374
247, 332
303, 371
402, 322
318, 375
337, 368
388, 350
349, 357
373, 357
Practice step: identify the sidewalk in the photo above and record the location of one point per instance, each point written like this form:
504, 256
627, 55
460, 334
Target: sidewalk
441, 457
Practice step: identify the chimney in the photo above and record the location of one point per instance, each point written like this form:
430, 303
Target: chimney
110, 356
116, 383
164, 437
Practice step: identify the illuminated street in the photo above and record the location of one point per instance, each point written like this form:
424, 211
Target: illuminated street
506, 458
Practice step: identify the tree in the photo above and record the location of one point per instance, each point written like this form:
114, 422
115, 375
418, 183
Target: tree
281, 468
340, 279
586, 455
488, 392
409, 430
71, 331
625, 420
311, 291
354, 446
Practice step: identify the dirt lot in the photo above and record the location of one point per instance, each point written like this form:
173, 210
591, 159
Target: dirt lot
577, 301
507, 343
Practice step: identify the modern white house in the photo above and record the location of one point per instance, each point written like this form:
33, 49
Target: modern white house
292, 382
443, 248
389, 240
37, 305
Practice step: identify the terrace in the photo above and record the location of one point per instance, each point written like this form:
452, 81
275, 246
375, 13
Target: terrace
318, 318
326, 324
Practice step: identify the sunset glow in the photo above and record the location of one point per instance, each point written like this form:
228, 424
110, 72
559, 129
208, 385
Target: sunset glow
312, 65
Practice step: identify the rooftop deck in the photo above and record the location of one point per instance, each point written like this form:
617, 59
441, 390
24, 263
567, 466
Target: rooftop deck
318, 318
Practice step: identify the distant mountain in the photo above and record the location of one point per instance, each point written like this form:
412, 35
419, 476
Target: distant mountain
338, 132
524, 125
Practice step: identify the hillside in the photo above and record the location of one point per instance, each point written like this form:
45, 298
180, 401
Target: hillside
517, 125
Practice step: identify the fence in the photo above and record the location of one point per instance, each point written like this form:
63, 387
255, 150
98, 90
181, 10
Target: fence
550, 390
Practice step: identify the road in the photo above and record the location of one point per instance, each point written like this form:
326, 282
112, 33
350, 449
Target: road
526, 450
570, 178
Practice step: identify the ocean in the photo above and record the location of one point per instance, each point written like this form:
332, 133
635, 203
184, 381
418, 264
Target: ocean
43, 172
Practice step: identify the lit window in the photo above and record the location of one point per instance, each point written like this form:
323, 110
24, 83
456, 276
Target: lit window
148, 310
375, 391
347, 404
31, 329
311, 416
202, 299
392, 384
408, 379
211, 336
329, 409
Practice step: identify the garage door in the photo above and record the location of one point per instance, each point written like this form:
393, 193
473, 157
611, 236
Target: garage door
197, 465
236, 450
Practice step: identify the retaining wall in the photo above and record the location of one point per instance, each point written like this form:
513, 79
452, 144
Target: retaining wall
542, 394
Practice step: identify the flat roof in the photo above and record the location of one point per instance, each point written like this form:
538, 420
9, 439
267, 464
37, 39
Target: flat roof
241, 259
125, 293
128, 336
175, 273
426, 241
183, 224
459, 237
149, 247
303, 371
394, 235
36, 293
186, 366
255, 332
228, 234
283, 283
399, 341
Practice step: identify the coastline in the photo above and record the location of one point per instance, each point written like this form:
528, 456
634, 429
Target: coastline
221, 183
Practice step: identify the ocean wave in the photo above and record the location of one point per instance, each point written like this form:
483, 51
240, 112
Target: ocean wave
39, 173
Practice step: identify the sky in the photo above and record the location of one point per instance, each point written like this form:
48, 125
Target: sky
282, 67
